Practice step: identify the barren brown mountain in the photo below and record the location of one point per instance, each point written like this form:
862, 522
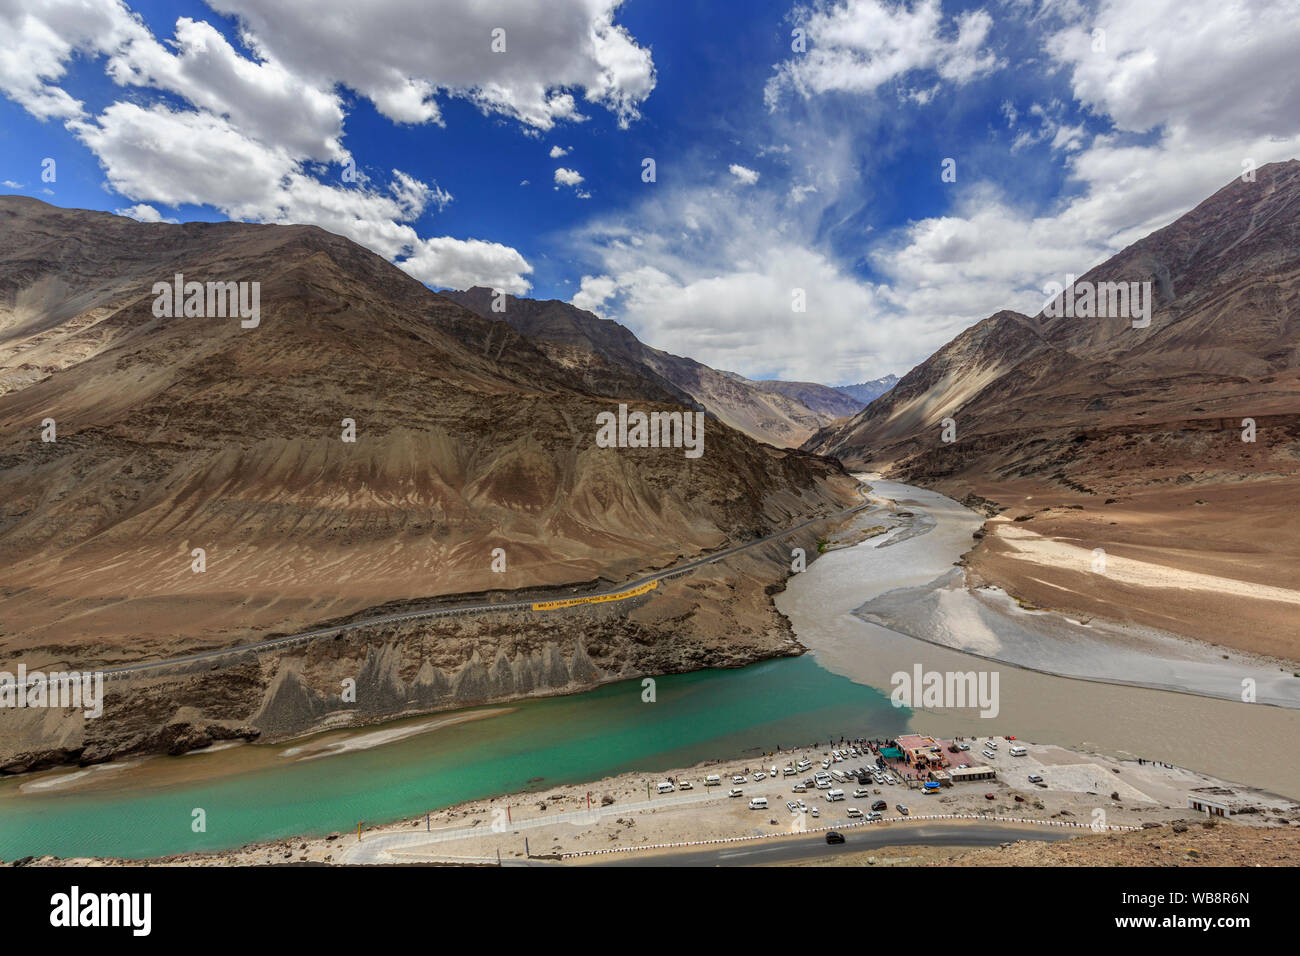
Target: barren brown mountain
779, 413
174, 434
1103, 435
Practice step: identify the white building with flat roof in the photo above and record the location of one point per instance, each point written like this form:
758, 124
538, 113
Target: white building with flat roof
962, 774
1209, 807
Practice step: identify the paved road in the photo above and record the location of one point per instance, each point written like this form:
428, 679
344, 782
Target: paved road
114, 673
855, 841
389, 847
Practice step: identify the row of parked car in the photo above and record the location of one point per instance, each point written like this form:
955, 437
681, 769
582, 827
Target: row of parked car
824, 779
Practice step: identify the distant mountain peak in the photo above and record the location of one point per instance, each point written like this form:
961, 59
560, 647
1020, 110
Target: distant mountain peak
867, 392
780, 413
1221, 341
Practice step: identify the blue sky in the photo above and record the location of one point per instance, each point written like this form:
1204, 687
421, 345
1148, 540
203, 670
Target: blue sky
1076, 128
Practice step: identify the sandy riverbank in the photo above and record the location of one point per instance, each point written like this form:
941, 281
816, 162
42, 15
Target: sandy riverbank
1215, 561
989, 623
1226, 738
958, 609
327, 745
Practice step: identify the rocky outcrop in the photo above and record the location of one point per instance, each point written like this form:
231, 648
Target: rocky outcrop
292, 704
718, 616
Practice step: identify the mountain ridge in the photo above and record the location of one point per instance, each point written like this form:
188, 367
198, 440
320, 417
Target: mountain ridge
779, 413
867, 392
1185, 338
171, 485
197, 431
1174, 443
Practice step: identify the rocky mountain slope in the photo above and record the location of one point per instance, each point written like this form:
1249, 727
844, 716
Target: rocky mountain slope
779, 413
1223, 341
1138, 428
177, 434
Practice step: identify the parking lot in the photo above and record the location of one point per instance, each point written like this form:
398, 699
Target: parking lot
840, 783
640, 809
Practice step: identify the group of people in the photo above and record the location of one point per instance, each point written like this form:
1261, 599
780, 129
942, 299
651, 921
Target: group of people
862, 743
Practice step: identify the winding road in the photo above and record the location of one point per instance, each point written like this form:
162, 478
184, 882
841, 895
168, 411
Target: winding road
415, 846
127, 670
855, 841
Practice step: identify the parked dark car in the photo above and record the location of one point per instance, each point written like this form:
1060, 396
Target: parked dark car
880, 805
834, 837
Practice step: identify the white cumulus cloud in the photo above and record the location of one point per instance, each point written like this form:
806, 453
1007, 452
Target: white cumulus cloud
404, 56
252, 135
857, 46
567, 177
747, 177
143, 213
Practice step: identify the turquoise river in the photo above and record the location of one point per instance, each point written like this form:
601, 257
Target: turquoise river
254, 793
